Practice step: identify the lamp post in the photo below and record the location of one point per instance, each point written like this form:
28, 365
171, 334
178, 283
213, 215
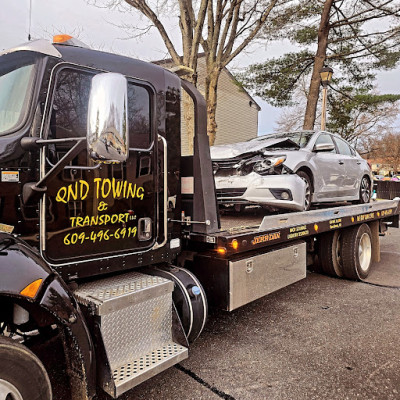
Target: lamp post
326, 76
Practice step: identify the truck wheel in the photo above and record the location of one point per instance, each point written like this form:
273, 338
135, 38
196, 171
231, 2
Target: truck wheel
330, 254
357, 252
189, 298
308, 191
22, 375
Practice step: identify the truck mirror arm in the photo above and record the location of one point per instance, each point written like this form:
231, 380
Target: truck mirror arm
32, 188
32, 143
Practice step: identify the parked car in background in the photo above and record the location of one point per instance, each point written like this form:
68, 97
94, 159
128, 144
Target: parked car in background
291, 170
378, 177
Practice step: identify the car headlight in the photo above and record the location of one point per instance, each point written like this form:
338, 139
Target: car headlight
268, 164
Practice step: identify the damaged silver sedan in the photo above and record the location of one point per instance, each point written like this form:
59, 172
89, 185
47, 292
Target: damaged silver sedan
291, 171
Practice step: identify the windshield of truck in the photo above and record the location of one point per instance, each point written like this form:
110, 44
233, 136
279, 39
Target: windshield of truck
17, 75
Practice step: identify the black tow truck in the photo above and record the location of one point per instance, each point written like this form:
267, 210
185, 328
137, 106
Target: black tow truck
111, 242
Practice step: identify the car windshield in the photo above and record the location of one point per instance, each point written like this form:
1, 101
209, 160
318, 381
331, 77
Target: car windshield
300, 138
17, 76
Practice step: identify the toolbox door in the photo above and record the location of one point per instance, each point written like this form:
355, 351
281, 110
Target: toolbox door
91, 209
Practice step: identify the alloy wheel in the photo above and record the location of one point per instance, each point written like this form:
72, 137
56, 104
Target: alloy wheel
365, 190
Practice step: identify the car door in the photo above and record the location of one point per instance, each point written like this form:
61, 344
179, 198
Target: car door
352, 168
330, 170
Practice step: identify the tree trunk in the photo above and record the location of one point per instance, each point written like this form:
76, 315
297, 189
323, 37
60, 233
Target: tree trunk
319, 60
211, 101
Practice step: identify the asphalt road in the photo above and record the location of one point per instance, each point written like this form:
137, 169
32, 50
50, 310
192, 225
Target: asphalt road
321, 338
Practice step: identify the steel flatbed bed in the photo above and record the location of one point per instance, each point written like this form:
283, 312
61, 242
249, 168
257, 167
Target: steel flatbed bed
253, 230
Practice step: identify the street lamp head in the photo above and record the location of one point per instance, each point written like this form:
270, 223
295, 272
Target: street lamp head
326, 75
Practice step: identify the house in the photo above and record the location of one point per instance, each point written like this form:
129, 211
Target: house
237, 111
381, 167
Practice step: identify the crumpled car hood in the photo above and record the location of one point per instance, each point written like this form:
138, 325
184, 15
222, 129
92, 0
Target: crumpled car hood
226, 151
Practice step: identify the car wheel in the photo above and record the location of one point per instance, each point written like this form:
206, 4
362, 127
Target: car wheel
22, 375
365, 191
306, 178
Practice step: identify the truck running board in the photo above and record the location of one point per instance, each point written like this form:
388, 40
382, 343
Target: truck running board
134, 315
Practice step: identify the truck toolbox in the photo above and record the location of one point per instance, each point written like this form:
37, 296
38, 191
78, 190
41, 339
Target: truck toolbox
244, 279
134, 313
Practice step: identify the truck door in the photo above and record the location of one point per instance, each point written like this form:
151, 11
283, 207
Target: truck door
98, 210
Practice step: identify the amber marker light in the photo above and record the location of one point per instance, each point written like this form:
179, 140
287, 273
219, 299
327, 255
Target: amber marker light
316, 227
235, 244
61, 38
221, 251
32, 289
279, 161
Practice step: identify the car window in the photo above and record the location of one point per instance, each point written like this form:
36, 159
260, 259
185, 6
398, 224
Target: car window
343, 147
325, 138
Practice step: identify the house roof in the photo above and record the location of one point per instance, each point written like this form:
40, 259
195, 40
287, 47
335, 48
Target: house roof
167, 61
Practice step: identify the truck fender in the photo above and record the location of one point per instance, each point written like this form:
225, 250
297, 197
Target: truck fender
20, 265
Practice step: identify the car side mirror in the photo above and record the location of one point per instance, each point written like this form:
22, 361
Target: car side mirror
107, 125
324, 147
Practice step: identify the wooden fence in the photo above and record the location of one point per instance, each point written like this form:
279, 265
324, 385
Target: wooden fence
387, 189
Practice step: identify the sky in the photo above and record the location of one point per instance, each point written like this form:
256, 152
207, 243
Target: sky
101, 29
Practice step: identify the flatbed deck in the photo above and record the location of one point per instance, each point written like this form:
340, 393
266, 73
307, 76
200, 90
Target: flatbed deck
253, 229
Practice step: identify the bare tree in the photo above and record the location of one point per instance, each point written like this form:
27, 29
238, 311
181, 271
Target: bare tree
360, 118
355, 37
221, 28
342, 27
387, 150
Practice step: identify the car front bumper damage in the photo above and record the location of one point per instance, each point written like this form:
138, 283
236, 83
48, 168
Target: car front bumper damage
282, 191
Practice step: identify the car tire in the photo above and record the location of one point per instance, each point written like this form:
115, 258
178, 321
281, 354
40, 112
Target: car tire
357, 252
308, 195
329, 254
365, 191
22, 374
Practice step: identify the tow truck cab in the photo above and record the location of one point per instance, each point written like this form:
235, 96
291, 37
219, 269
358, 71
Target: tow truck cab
91, 210
91, 185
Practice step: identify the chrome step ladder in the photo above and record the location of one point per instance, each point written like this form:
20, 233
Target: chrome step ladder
134, 312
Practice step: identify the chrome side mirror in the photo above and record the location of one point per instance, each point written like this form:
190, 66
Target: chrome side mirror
107, 127
324, 147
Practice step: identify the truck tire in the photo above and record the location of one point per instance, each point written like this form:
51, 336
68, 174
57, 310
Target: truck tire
329, 254
22, 375
357, 252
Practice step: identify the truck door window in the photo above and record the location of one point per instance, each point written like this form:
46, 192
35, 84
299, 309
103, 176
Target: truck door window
139, 117
70, 104
70, 107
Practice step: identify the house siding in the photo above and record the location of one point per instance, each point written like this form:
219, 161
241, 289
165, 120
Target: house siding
237, 112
